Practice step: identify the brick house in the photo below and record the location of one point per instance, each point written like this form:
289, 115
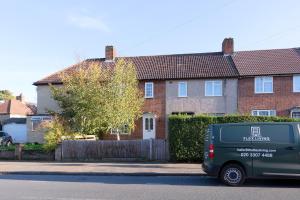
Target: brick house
180, 83
269, 82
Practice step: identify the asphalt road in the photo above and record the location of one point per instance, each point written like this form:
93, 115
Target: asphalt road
41, 187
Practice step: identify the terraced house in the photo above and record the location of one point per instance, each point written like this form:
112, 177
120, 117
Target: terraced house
261, 82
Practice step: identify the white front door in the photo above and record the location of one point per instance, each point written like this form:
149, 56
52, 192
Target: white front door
148, 126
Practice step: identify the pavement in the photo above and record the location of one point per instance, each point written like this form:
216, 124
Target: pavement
103, 169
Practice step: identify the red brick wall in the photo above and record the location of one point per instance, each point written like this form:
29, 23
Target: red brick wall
157, 106
282, 99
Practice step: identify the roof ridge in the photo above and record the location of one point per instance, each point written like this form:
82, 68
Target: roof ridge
60, 71
273, 49
180, 54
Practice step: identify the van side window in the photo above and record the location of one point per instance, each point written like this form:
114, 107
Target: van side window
234, 134
277, 134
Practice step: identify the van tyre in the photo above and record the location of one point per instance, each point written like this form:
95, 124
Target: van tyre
233, 175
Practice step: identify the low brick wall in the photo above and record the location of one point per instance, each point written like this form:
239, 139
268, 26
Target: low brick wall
20, 154
37, 155
7, 155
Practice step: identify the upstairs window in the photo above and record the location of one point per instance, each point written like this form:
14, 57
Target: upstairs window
264, 113
213, 88
182, 89
149, 90
296, 83
264, 84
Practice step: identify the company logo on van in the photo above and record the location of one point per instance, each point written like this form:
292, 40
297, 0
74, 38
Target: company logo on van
256, 135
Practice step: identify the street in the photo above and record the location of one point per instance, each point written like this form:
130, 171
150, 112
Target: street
68, 187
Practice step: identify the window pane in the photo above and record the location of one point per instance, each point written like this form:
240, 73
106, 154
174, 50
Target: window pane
147, 124
258, 84
217, 88
182, 89
209, 88
296, 83
149, 90
296, 115
151, 124
263, 113
272, 113
268, 87
254, 113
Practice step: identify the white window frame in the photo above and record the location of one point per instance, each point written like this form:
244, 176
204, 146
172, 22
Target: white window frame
263, 84
294, 83
152, 92
213, 90
269, 113
182, 93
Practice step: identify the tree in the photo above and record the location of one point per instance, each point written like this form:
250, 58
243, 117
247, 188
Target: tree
98, 100
6, 95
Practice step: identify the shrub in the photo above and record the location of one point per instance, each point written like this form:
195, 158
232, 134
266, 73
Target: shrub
186, 133
55, 131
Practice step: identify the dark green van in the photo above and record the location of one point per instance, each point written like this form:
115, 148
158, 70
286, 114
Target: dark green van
234, 152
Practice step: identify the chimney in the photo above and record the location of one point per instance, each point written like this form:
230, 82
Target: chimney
20, 98
228, 46
110, 53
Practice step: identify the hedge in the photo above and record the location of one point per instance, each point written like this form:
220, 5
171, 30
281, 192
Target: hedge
186, 133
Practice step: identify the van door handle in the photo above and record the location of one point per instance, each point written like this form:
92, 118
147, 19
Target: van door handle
290, 148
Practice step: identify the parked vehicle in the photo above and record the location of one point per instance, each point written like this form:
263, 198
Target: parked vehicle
235, 152
5, 139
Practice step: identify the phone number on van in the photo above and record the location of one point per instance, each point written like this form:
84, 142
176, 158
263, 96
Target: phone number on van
256, 153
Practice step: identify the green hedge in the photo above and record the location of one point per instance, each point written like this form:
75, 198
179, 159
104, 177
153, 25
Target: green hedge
186, 133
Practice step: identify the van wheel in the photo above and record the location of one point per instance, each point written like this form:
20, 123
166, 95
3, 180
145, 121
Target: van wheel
233, 175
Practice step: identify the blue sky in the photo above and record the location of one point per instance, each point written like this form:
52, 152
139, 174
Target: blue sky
38, 38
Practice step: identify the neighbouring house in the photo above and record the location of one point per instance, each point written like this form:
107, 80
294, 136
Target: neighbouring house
15, 108
216, 84
12, 113
16, 128
269, 83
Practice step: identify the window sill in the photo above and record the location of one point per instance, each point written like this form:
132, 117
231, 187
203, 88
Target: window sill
263, 92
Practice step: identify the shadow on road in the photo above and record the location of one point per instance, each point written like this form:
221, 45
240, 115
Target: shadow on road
151, 180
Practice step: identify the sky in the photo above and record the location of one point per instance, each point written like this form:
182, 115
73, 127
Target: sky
38, 38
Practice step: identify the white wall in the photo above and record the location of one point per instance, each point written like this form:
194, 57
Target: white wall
197, 102
45, 101
17, 131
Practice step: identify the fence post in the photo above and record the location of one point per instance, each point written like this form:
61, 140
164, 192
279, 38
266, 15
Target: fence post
58, 152
150, 149
18, 151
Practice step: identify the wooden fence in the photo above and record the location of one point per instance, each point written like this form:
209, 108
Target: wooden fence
111, 150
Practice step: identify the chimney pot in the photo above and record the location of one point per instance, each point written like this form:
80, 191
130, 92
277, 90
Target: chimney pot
20, 98
228, 46
110, 53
